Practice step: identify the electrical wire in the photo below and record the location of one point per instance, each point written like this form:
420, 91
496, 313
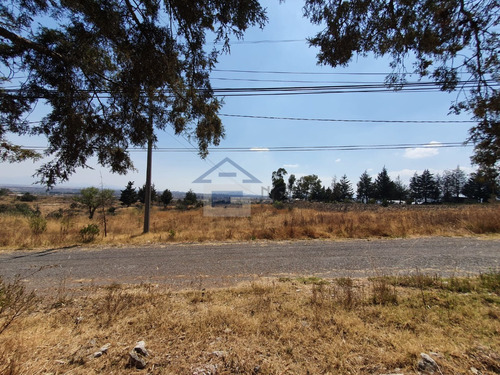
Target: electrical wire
350, 120
296, 148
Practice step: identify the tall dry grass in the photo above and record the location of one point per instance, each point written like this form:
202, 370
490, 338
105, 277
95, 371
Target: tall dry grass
265, 223
302, 326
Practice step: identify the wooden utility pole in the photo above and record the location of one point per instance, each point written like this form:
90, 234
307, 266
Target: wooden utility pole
147, 188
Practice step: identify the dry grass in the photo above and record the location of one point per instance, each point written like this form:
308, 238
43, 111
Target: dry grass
299, 326
266, 222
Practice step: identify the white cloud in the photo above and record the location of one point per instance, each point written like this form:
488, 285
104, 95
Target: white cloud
423, 152
337, 160
290, 165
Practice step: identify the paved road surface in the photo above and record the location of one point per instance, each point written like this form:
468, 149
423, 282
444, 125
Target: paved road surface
195, 265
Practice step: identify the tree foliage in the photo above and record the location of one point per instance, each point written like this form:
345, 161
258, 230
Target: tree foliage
111, 72
166, 197
424, 188
384, 186
190, 199
141, 194
93, 198
278, 192
365, 188
455, 43
129, 196
342, 190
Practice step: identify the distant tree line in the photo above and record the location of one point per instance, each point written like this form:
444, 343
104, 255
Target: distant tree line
131, 195
450, 186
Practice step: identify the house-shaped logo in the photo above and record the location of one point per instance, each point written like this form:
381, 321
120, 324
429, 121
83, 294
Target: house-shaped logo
224, 187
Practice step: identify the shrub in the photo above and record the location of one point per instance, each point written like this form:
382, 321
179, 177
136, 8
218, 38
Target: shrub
27, 197
38, 224
89, 233
23, 209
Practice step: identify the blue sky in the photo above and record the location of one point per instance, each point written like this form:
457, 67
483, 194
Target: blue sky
177, 171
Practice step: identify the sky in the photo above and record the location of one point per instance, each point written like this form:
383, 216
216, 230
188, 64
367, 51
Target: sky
280, 48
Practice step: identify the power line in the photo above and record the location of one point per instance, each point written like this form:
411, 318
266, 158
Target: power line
349, 120
307, 90
265, 41
295, 72
300, 148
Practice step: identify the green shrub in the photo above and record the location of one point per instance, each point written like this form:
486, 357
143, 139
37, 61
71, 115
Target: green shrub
38, 224
23, 209
89, 233
27, 197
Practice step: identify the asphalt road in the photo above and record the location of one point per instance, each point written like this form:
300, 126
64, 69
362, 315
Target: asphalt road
221, 264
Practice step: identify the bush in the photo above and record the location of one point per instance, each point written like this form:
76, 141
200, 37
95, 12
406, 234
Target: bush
38, 224
23, 209
89, 233
27, 197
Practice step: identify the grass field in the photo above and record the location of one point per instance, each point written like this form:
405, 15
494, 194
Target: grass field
273, 326
60, 225
281, 326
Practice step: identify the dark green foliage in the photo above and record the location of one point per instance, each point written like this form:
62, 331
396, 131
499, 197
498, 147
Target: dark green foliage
342, 190
4, 191
23, 209
451, 42
401, 192
308, 188
129, 195
384, 186
478, 187
89, 232
166, 197
190, 199
111, 72
451, 184
424, 188
278, 192
19, 209
141, 194
27, 197
365, 188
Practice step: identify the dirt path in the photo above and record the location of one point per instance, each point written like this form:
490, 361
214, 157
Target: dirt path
221, 264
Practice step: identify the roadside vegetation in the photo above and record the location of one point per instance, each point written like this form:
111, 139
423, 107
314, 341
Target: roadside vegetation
275, 326
64, 221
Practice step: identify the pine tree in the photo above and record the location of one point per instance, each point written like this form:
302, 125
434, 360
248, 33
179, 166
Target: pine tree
384, 186
129, 196
166, 197
365, 189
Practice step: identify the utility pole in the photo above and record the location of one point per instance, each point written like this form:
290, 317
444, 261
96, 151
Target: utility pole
147, 188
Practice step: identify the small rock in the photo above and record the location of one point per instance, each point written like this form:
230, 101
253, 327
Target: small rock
427, 364
256, 369
206, 370
475, 371
140, 348
105, 348
136, 360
